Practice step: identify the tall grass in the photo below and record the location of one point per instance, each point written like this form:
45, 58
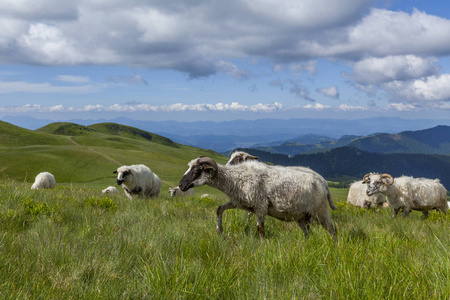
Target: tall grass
73, 242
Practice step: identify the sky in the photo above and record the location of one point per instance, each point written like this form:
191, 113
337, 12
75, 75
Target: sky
192, 60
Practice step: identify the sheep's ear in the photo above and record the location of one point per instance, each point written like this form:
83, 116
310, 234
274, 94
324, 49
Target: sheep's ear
115, 172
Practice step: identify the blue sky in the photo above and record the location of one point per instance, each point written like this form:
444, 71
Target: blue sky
224, 60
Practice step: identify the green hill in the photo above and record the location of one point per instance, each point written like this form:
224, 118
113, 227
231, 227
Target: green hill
88, 155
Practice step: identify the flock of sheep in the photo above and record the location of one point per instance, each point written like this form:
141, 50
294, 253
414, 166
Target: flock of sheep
286, 193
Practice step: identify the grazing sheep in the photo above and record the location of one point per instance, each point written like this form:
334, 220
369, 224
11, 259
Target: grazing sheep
176, 192
110, 190
138, 180
205, 196
408, 193
357, 196
283, 193
44, 180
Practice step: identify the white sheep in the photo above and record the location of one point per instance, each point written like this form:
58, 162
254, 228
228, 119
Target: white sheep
357, 196
283, 193
239, 157
176, 192
110, 190
44, 180
408, 193
138, 180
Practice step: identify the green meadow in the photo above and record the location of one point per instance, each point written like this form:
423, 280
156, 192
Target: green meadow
75, 243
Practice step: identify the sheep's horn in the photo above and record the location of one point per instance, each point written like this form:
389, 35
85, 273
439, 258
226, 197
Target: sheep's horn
389, 176
365, 178
209, 162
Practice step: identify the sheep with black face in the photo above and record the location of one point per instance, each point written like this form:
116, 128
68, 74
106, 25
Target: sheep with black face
283, 193
138, 180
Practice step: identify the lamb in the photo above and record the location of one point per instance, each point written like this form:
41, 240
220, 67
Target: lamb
138, 180
239, 157
283, 193
357, 196
110, 190
408, 193
176, 192
44, 180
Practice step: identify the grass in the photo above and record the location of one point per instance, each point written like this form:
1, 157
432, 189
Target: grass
72, 242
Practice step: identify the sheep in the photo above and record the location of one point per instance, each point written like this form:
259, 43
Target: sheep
283, 193
138, 180
110, 190
44, 180
357, 196
239, 157
408, 193
205, 196
176, 192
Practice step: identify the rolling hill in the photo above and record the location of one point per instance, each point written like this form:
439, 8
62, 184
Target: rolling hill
434, 140
88, 155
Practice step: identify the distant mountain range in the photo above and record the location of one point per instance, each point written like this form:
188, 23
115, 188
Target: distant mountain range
227, 135
434, 140
350, 163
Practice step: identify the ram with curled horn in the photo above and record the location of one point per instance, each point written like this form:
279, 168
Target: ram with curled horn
407, 193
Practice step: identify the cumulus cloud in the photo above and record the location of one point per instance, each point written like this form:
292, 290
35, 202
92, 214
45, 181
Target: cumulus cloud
373, 70
331, 92
432, 88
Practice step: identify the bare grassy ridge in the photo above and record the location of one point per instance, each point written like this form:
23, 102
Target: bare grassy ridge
72, 242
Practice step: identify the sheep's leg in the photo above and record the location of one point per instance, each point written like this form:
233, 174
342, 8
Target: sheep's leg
304, 225
406, 211
220, 210
425, 214
395, 212
260, 225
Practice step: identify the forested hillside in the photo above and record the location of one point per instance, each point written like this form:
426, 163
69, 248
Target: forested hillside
350, 161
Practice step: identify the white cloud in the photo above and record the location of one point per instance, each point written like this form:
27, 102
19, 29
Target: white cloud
316, 106
432, 88
375, 70
331, 92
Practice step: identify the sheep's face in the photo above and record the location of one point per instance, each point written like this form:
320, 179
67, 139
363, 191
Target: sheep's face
200, 171
173, 191
123, 175
240, 157
377, 183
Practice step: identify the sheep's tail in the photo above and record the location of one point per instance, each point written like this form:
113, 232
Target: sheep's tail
330, 199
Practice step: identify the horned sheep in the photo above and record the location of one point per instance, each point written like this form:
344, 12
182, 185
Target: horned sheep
138, 180
357, 197
176, 192
408, 193
44, 180
280, 192
110, 190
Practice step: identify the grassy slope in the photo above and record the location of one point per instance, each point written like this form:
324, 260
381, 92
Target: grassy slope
71, 243
78, 154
